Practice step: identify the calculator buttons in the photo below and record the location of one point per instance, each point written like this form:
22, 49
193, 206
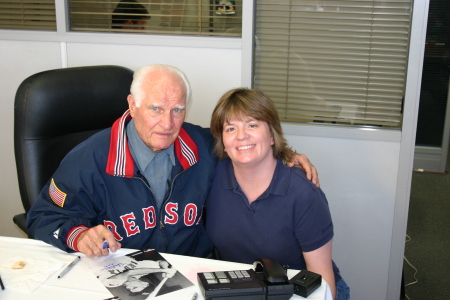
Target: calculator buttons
239, 274
226, 276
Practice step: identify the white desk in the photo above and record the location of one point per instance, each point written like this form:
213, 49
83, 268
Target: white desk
81, 283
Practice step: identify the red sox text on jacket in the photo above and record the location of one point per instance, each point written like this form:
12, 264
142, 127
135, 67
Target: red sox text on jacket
171, 217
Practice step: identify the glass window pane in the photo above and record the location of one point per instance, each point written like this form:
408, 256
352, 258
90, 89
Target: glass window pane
183, 17
28, 14
334, 61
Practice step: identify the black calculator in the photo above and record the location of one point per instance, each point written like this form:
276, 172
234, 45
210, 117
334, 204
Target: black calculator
246, 284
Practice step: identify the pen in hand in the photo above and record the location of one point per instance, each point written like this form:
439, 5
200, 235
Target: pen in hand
105, 243
69, 267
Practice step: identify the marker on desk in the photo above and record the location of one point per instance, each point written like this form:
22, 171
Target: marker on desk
105, 243
1, 283
194, 297
69, 267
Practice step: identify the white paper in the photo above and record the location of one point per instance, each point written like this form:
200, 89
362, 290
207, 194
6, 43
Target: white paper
35, 273
139, 275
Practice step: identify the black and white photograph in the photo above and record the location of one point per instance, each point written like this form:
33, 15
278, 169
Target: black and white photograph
140, 275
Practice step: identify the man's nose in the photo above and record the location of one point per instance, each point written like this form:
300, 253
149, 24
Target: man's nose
166, 120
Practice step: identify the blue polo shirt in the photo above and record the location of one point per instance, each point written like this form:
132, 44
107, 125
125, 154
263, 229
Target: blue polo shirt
290, 217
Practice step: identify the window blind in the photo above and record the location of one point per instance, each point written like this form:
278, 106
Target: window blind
181, 17
333, 61
28, 14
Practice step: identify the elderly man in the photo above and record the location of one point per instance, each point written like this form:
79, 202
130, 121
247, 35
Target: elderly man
141, 183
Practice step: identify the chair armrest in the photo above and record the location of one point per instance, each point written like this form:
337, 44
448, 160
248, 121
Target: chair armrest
21, 221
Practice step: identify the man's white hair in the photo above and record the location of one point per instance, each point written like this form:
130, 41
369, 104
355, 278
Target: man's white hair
139, 75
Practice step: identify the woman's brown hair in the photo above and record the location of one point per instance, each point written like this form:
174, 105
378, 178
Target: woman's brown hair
240, 103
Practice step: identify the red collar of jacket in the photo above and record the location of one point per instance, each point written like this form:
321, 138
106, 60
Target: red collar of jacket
120, 162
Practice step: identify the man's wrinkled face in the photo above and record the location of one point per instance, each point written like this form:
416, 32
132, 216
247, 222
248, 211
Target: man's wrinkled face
160, 115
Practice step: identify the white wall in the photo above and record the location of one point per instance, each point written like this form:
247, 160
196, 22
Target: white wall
359, 180
18, 60
210, 71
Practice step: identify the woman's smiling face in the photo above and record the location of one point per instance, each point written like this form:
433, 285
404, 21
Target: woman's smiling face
247, 141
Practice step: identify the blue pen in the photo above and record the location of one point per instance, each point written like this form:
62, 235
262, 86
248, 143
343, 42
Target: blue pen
105, 243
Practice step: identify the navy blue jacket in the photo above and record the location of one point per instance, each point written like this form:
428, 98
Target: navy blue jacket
98, 182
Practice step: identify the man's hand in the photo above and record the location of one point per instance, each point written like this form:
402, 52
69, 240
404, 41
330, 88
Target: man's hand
301, 161
91, 241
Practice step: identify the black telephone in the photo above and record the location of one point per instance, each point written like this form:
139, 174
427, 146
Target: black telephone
268, 280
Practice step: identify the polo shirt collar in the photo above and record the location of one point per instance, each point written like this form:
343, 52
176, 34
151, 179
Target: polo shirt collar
142, 154
278, 186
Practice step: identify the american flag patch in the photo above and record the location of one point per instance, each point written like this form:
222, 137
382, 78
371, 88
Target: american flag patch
57, 196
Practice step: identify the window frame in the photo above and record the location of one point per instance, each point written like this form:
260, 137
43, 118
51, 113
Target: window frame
309, 129
63, 34
184, 18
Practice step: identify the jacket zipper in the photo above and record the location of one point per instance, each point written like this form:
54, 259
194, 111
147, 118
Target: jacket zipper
161, 224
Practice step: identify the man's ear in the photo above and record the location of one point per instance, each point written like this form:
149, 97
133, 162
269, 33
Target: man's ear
131, 104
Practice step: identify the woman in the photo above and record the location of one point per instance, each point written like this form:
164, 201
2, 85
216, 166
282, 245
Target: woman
258, 207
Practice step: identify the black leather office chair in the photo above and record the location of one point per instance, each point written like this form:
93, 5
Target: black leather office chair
56, 110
